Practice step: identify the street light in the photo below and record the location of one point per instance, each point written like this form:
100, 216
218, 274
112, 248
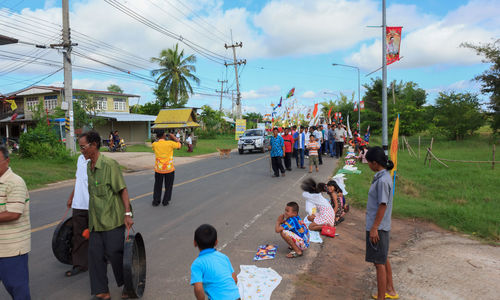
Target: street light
359, 94
6, 40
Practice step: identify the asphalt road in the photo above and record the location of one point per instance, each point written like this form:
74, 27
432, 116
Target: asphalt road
236, 195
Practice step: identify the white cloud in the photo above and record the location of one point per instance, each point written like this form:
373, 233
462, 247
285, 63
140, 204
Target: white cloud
309, 94
264, 92
458, 86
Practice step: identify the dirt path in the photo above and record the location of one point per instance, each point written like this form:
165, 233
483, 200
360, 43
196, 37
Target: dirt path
428, 263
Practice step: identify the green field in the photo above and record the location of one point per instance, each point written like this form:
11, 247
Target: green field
464, 197
203, 146
37, 173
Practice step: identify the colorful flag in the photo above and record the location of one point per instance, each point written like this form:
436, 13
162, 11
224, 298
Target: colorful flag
393, 38
14, 116
281, 100
362, 104
394, 146
329, 112
13, 104
355, 106
290, 93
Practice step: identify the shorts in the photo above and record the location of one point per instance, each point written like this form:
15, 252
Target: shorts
377, 253
313, 159
296, 239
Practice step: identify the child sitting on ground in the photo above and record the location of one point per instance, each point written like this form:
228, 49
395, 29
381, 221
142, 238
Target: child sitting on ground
337, 200
362, 154
293, 230
325, 214
211, 271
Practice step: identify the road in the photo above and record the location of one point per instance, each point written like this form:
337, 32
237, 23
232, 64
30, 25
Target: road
236, 195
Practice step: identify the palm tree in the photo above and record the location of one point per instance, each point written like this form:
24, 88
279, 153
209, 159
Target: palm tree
173, 81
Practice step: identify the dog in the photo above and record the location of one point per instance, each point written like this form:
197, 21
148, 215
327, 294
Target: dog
224, 152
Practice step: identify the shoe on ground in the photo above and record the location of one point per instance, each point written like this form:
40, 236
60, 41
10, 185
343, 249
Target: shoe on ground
166, 203
275, 175
155, 204
283, 175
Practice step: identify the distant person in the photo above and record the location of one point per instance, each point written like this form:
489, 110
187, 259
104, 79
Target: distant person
164, 167
299, 146
211, 272
340, 135
79, 202
378, 221
288, 139
15, 230
189, 142
277, 148
111, 143
313, 148
110, 213
319, 138
116, 139
293, 230
331, 139
362, 154
324, 214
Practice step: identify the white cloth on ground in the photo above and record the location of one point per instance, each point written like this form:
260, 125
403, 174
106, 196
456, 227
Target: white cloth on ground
257, 283
314, 236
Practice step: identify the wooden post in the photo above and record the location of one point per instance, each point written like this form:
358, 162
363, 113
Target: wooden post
430, 148
493, 158
419, 147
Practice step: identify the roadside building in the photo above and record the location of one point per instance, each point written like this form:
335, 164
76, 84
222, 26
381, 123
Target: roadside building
172, 120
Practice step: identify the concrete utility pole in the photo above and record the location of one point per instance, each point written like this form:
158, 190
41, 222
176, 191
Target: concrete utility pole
68, 81
359, 93
221, 92
236, 63
385, 143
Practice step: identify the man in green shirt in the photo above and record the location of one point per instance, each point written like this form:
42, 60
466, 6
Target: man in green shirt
109, 214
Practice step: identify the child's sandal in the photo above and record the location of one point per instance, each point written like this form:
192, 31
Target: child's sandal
294, 254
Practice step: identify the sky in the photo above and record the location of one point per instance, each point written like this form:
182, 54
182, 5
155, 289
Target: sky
287, 43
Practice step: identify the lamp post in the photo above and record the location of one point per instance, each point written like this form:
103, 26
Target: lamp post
359, 93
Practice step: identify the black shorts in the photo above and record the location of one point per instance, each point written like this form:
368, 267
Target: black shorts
377, 253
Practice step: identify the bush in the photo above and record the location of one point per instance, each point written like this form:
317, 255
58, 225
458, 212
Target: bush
41, 142
206, 134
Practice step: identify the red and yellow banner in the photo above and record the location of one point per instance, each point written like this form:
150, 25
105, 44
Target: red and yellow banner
394, 146
393, 42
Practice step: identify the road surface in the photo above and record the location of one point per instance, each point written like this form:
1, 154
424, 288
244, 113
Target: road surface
236, 195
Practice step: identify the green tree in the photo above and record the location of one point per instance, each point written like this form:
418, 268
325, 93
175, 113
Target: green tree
490, 78
252, 119
149, 108
326, 105
458, 114
115, 88
212, 119
174, 76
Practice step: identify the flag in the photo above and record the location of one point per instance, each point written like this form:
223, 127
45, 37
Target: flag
394, 146
355, 106
14, 116
393, 38
349, 132
290, 93
13, 104
329, 112
315, 111
281, 100
362, 104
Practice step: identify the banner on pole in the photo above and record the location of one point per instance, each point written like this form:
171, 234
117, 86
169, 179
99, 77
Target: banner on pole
393, 39
362, 104
241, 126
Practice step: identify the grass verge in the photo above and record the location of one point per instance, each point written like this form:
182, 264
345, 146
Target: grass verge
203, 146
463, 197
37, 173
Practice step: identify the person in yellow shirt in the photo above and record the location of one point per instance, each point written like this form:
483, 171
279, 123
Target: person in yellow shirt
164, 166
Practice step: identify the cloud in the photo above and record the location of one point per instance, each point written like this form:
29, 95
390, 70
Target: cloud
438, 42
309, 94
261, 93
458, 86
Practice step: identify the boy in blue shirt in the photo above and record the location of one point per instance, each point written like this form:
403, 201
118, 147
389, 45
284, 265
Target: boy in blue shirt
293, 230
211, 271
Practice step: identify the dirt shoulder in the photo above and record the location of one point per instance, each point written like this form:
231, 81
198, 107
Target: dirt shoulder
427, 262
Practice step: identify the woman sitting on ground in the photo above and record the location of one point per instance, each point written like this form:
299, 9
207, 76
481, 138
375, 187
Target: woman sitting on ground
362, 154
337, 200
325, 214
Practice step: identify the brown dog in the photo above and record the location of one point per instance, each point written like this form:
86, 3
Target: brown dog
224, 152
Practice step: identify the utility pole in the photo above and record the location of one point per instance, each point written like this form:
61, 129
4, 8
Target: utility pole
221, 92
236, 63
68, 81
385, 143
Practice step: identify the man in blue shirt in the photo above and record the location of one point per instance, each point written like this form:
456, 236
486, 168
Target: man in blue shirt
277, 148
299, 146
211, 272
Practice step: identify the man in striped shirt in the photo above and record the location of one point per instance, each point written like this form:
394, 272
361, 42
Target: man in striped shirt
15, 230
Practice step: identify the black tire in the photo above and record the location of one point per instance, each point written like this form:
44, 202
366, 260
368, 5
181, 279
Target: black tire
263, 150
240, 151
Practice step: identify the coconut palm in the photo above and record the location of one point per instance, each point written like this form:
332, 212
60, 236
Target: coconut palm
174, 76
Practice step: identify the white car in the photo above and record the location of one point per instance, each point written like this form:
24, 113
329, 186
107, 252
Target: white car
253, 140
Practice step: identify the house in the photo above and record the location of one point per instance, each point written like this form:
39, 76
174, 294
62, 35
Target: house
113, 107
183, 119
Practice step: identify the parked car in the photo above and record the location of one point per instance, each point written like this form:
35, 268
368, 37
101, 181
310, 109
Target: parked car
253, 140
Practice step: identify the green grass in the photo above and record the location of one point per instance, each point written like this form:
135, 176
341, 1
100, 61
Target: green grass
37, 173
464, 197
203, 146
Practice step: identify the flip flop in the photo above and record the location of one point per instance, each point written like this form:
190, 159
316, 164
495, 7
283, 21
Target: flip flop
100, 298
387, 296
75, 271
294, 254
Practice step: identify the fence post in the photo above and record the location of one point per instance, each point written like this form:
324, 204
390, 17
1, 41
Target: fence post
419, 147
430, 156
493, 159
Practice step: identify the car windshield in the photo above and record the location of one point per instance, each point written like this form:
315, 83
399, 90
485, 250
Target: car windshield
253, 133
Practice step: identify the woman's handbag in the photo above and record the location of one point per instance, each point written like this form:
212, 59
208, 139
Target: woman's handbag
328, 230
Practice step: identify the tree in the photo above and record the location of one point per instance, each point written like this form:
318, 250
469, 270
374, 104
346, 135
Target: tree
115, 88
490, 78
458, 114
149, 108
174, 76
252, 119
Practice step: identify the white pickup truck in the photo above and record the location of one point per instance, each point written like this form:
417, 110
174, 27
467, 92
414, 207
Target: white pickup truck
253, 140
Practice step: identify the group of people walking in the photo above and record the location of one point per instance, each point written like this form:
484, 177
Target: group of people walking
302, 143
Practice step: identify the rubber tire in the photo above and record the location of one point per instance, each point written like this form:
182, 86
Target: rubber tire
240, 151
263, 150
